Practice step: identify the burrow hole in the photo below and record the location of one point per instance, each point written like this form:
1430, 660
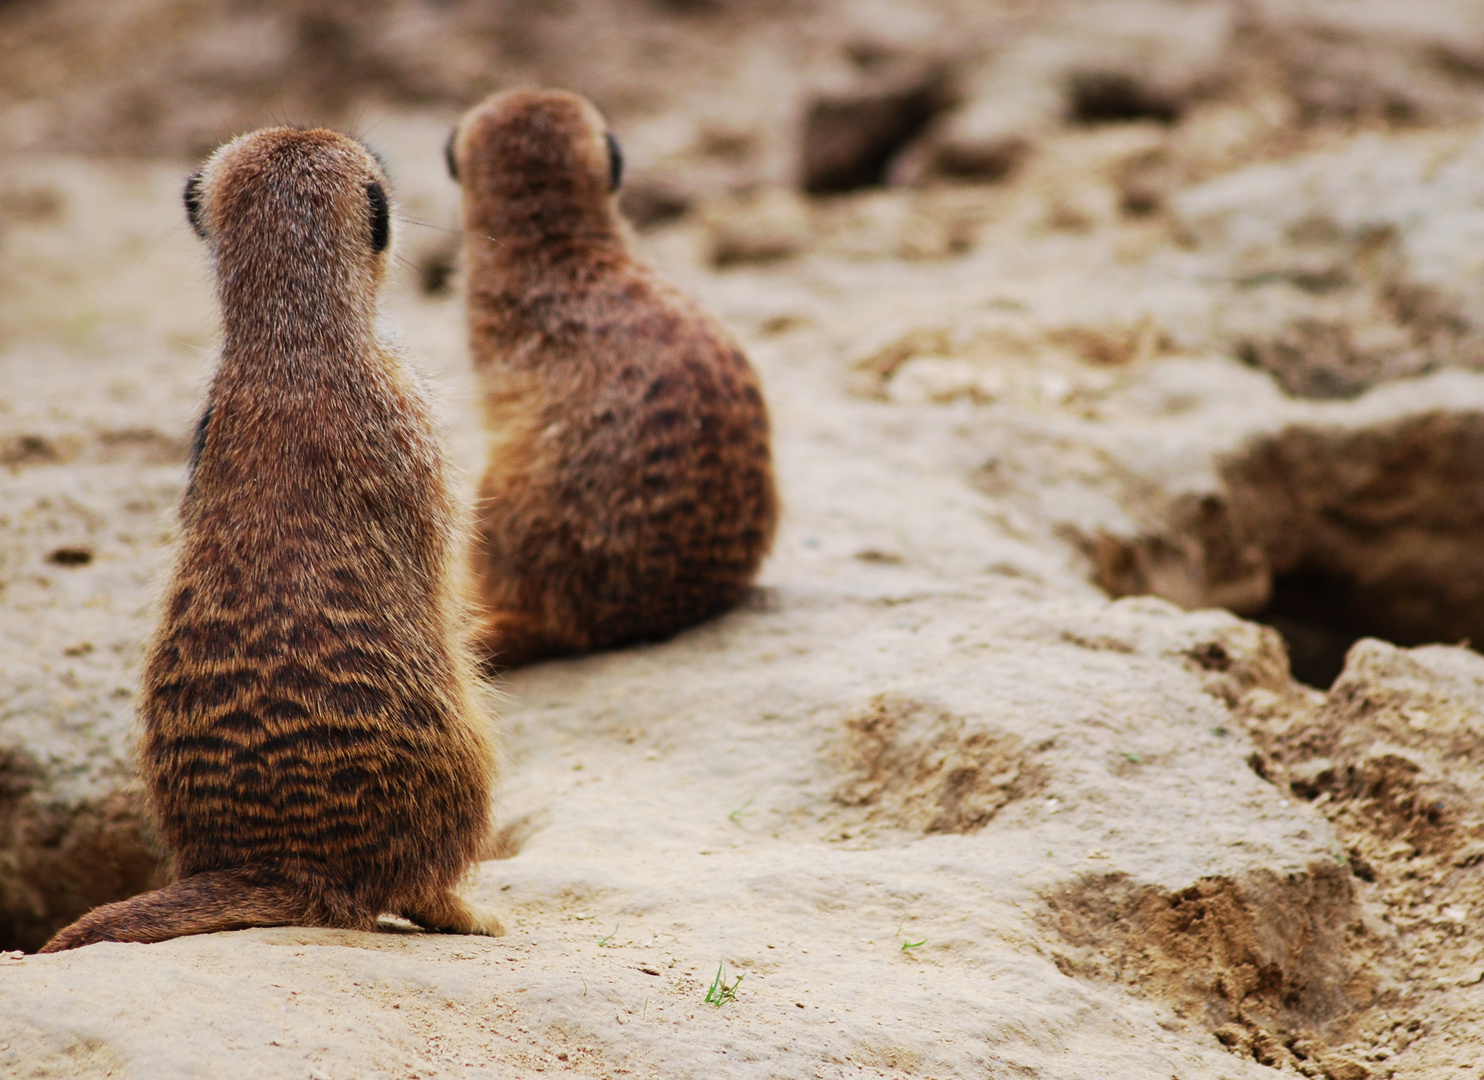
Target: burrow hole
1107, 97
1330, 535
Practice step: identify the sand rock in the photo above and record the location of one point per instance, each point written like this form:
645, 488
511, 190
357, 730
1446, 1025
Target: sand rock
1391, 758
1370, 253
75, 584
904, 809
86, 509
761, 226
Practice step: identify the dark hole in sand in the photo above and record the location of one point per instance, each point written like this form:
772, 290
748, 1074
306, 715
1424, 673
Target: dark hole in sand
1321, 613
851, 139
1371, 531
1113, 98
1330, 533
70, 556
1315, 611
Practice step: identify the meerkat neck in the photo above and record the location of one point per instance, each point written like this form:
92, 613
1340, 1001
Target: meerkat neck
532, 224
304, 318
527, 263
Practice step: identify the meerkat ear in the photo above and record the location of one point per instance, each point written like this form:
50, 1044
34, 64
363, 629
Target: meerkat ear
615, 162
381, 216
193, 203
448, 154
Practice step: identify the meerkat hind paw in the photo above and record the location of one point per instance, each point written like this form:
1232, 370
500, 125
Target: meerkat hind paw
486, 923
450, 915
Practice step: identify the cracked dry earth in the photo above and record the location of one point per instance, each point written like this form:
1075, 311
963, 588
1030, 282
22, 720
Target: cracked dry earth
982, 781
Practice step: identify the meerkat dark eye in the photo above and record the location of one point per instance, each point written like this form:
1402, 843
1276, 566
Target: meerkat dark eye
449, 157
615, 163
193, 203
381, 217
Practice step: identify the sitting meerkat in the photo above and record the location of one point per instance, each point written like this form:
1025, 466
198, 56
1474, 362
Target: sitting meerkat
310, 744
629, 491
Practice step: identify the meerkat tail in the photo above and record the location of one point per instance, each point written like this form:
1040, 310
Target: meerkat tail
200, 904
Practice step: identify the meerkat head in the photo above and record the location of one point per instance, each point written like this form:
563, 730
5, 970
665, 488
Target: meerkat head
292, 213
540, 164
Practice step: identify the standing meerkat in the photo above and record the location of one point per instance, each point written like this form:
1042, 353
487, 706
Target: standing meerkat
310, 743
629, 491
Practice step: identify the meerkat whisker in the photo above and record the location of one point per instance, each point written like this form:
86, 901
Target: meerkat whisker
446, 228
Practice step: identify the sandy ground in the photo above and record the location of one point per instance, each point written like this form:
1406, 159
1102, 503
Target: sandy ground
943, 802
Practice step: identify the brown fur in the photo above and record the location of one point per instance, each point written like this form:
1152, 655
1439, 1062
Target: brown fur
309, 739
629, 491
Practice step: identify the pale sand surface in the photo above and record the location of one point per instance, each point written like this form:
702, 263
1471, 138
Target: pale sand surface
944, 806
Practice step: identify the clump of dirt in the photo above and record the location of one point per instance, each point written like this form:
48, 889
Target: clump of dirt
1353, 345
1268, 962
852, 136
1393, 757
917, 768
1112, 97
1003, 356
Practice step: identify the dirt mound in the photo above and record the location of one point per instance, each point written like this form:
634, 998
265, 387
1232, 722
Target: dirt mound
917, 768
1392, 758
1394, 755
1335, 971
1269, 957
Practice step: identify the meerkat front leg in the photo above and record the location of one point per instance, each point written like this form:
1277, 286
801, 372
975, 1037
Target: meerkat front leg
447, 914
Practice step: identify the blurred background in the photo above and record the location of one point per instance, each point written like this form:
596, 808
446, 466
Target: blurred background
728, 96
151, 77
753, 119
